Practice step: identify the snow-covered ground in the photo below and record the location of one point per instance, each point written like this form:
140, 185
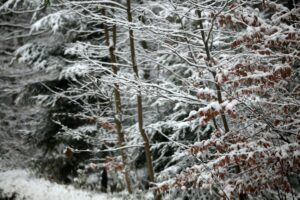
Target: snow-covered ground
25, 186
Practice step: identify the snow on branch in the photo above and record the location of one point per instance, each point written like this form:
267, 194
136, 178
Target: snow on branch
55, 21
74, 71
14, 4
212, 110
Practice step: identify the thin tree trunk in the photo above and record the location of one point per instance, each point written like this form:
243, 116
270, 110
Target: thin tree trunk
147, 147
218, 88
118, 105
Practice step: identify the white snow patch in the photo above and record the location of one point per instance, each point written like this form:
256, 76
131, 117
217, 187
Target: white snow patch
230, 105
28, 187
193, 113
78, 69
53, 21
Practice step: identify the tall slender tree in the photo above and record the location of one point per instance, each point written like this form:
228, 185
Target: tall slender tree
117, 100
147, 146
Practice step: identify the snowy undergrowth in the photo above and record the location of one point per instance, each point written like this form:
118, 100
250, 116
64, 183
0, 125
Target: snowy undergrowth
24, 186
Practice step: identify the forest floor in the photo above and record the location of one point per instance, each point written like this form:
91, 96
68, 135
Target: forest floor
22, 185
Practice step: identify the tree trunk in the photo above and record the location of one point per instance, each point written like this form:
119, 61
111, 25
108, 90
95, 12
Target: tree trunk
218, 88
118, 105
147, 147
